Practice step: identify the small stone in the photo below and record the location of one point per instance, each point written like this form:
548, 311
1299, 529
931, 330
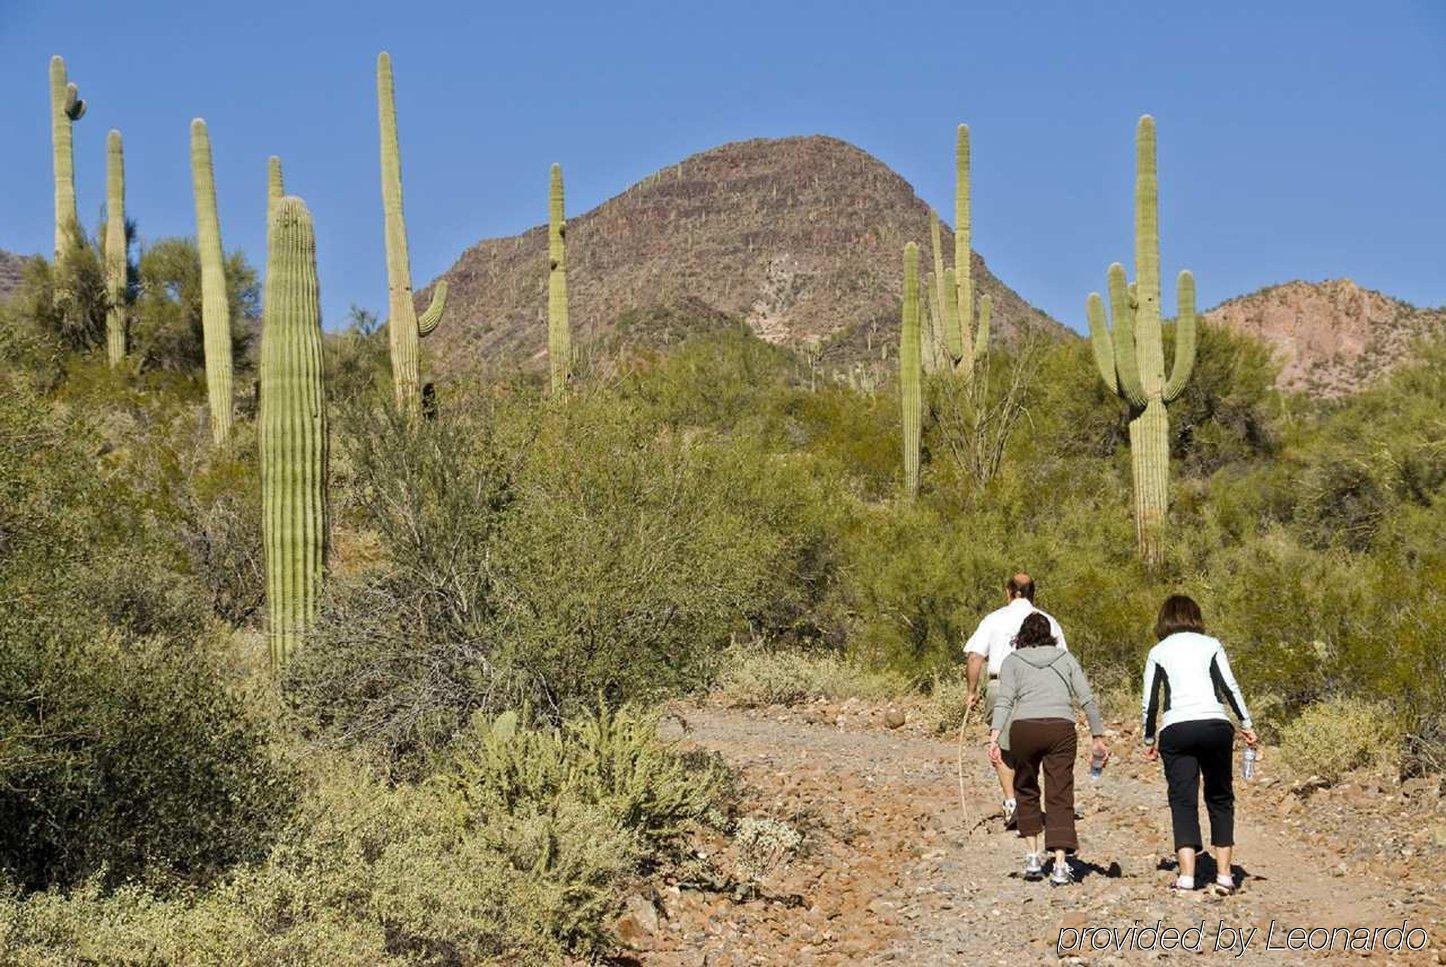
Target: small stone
894, 718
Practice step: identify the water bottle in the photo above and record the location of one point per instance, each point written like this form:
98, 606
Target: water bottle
1097, 765
1247, 763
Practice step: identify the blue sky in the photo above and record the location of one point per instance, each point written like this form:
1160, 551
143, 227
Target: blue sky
1297, 139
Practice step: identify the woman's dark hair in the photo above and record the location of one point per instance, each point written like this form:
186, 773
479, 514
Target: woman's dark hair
1034, 633
1178, 613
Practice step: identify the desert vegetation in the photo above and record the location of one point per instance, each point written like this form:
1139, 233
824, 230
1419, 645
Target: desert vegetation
337, 671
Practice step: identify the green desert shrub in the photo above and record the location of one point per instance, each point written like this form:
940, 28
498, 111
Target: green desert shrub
1336, 735
753, 676
126, 758
165, 331
514, 852
612, 760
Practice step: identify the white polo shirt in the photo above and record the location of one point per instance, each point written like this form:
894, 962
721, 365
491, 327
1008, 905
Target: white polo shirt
994, 638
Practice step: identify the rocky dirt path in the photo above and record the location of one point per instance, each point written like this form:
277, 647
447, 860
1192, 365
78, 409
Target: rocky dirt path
892, 871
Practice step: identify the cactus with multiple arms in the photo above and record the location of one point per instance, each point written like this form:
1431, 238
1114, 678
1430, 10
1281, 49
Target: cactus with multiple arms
964, 344
1131, 356
215, 306
115, 249
292, 432
404, 328
559, 335
972, 343
66, 108
910, 390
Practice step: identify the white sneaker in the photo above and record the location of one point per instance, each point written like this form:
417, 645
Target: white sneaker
1009, 806
1062, 875
1033, 866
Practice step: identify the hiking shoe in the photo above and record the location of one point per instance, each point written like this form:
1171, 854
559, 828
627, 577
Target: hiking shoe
1009, 809
1180, 889
1033, 867
1061, 875
1222, 888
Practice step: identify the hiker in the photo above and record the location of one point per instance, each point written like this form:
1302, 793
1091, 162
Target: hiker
987, 648
1186, 674
1039, 686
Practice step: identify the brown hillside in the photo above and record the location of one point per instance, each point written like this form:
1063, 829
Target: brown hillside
1330, 338
11, 266
799, 238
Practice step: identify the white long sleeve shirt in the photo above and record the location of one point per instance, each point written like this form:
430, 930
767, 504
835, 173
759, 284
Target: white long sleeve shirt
1188, 678
994, 638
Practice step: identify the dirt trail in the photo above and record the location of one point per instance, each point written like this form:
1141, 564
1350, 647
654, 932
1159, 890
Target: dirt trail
889, 873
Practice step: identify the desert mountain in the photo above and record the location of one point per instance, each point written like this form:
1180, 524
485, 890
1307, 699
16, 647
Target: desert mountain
801, 239
1330, 338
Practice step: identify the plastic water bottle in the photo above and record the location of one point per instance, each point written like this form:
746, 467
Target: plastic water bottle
1247, 763
1097, 765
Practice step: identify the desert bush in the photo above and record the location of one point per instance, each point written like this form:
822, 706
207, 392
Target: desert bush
166, 332
610, 760
762, 845
126, 758
1334, 736
753, 676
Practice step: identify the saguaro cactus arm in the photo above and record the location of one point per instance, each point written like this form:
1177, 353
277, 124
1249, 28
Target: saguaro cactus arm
981, 336
1101, 343
1186, 337
429, 319
1122, 302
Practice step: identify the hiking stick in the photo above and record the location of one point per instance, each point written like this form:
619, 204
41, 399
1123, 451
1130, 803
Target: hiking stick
963, 801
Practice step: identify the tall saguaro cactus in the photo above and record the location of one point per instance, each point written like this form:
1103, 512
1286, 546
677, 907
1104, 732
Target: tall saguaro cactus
404, 327
115, 249
910, 390
293, 428
972, 344
1131, 356
559, 335
964, 344
215, 306
66, 108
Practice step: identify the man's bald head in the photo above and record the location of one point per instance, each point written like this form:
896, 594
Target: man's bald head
1020, 585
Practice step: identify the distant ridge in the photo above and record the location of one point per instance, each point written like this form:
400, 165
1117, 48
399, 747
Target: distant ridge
800, 239
1330, 338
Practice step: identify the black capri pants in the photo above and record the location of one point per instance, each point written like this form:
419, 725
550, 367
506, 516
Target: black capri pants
1191, 750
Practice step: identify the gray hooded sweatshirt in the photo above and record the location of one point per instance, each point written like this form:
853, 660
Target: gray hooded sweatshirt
1043, 683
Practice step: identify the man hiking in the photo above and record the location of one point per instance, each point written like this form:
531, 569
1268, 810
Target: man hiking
987, 648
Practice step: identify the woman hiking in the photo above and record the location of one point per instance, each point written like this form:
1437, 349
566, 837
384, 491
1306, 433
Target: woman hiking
1039, 686
1186, 676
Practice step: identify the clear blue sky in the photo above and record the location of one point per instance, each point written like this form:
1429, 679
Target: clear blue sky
1299, 138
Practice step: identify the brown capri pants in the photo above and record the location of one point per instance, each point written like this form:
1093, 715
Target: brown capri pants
1050, 743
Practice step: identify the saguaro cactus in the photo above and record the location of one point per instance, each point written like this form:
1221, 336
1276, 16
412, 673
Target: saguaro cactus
66, 108
910, 391
115, 249
1131, 357
952, 290
972, 344
404, 327
559, 335
293, 428
215, 306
